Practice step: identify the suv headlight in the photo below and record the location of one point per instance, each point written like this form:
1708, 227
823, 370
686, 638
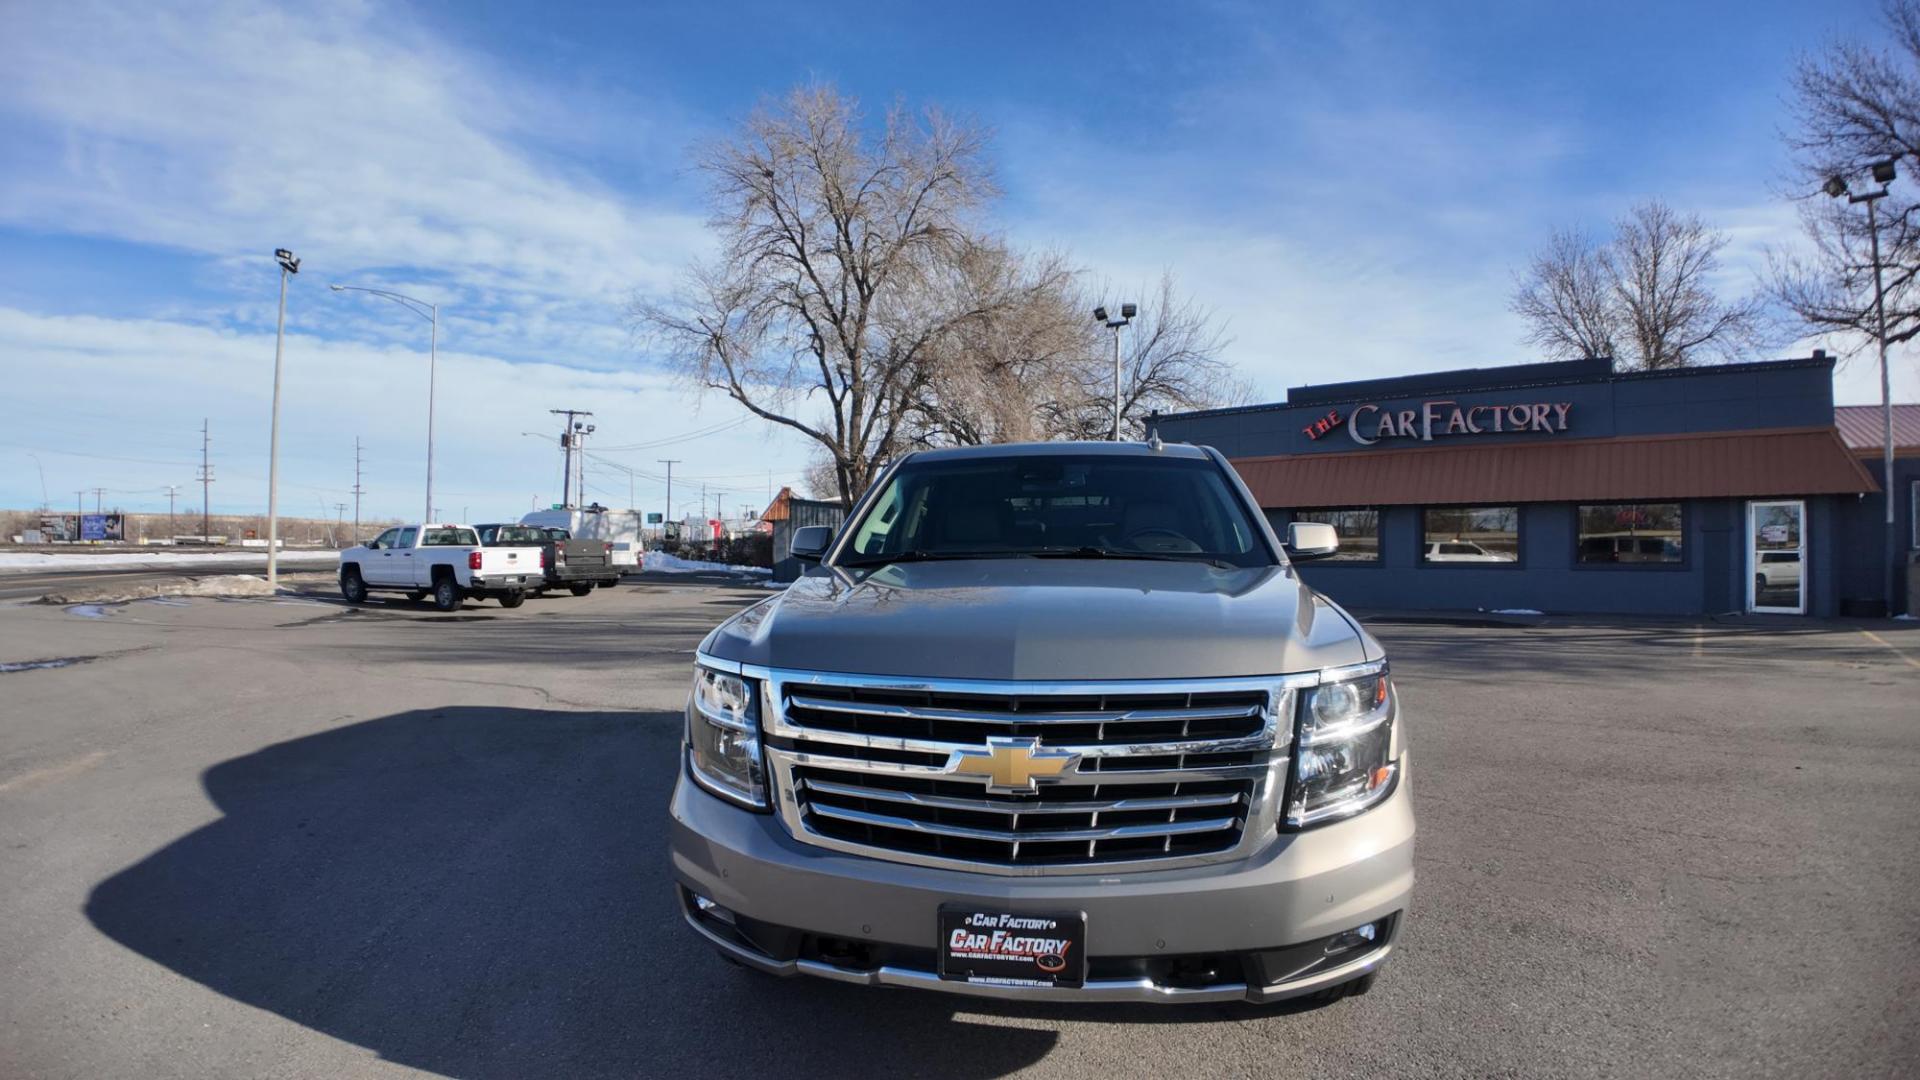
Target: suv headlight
723, 738
1344, 759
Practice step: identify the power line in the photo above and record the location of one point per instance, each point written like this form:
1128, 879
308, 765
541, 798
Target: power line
357, 489
570, 436
206, 483
689, 436
669, 463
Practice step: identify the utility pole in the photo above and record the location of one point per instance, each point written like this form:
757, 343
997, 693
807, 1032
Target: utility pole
339, 513
357, 489
571, 435
289, 266
669, 463
206, 481
172, 490
97, 494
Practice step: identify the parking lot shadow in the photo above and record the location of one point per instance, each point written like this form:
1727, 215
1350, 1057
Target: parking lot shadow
482, 892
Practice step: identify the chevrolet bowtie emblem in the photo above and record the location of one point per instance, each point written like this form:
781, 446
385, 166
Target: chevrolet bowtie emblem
1012, 765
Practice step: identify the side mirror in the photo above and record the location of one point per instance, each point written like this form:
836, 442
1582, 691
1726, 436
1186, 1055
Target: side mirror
373, 545
1311, 540
810, 542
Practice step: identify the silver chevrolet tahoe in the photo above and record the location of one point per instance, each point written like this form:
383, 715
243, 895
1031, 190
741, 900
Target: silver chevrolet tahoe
1053, 721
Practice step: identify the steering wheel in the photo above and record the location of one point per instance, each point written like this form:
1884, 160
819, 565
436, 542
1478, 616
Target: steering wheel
1157, 538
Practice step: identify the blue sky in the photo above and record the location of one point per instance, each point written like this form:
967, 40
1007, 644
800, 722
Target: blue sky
1349, 187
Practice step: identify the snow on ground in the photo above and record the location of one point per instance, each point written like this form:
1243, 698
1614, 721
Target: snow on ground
663, 563
159, 560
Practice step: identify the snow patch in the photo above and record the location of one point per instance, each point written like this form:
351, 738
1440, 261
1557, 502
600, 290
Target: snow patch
160, 560
662, 563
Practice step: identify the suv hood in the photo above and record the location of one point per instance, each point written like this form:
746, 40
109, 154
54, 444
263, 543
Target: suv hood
1046, 619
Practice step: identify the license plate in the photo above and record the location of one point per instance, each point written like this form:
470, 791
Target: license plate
1013, 948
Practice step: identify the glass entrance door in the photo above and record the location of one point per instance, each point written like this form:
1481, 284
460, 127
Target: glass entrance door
1776, 554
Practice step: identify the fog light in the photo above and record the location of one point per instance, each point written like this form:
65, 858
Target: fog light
712, 910
1352, 939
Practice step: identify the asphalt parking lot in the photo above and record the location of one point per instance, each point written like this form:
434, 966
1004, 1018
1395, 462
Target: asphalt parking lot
287, 838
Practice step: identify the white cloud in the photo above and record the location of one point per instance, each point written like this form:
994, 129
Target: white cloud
340, 131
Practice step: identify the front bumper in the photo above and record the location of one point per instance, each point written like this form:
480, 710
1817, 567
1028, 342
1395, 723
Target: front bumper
881, 917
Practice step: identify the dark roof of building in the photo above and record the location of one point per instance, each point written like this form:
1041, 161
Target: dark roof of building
1742, 464
1861, 428
1511, 377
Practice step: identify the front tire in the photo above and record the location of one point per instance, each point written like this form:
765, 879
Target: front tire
446, 595
512, 599
580, 588
352, 587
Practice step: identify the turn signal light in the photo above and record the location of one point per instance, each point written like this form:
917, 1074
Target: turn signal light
473, 560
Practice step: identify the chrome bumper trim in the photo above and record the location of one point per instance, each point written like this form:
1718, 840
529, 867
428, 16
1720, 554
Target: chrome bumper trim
1095, 991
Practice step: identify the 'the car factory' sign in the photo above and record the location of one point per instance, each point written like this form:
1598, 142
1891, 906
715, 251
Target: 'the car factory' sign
1368, 424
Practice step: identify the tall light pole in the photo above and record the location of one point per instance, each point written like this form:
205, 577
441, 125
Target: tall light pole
44, 505
1127, 312
431, 313
1883, 174
289, 266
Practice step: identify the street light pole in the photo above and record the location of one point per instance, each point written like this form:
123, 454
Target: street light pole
431, 313
1127, 312
1883, 174
289, 266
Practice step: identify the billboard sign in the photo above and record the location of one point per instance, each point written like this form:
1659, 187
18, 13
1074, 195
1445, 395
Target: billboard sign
103, 527
654, 519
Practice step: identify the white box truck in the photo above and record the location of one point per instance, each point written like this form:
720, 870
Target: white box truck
621, 528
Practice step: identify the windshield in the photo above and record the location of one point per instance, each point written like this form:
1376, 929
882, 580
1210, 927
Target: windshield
500, 535
1093, 506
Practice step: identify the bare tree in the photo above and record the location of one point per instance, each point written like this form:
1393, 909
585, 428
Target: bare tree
1566, 299
1662, 265
831, 243
999, 377
1170, 359
1854, 106
1646, 298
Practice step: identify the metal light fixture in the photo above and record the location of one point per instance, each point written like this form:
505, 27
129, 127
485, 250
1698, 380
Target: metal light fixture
1127, 312
431, 313
1836, 186
288, 267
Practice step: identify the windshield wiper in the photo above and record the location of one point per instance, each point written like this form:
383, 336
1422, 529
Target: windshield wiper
927, 556
1091, 552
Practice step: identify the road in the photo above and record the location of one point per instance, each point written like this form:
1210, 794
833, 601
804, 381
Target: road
290, 838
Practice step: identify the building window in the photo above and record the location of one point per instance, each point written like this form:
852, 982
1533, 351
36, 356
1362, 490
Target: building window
1632, 533
1469, 535
1359, 532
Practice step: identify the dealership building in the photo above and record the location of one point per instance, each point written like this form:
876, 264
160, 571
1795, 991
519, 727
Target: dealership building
1570, 487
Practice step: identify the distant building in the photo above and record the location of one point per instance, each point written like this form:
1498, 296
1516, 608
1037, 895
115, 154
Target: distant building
1572, 487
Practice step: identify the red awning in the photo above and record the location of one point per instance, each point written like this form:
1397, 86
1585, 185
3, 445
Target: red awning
1742, 464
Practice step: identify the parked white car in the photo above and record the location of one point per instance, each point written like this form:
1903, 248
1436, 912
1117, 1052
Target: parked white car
446, 562
1463, 551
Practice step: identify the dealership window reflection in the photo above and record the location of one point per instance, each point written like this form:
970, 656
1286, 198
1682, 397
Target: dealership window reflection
1632, 533
1464, 535
1358, 529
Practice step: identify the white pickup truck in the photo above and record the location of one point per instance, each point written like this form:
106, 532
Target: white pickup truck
444, 561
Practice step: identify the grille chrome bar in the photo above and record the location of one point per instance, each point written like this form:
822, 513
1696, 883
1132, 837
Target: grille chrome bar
982, 806
1087, 751
1071, 778
1023, 836
864, 765
964, 716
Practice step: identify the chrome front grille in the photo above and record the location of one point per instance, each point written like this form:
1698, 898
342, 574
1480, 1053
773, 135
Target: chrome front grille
1161, 773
